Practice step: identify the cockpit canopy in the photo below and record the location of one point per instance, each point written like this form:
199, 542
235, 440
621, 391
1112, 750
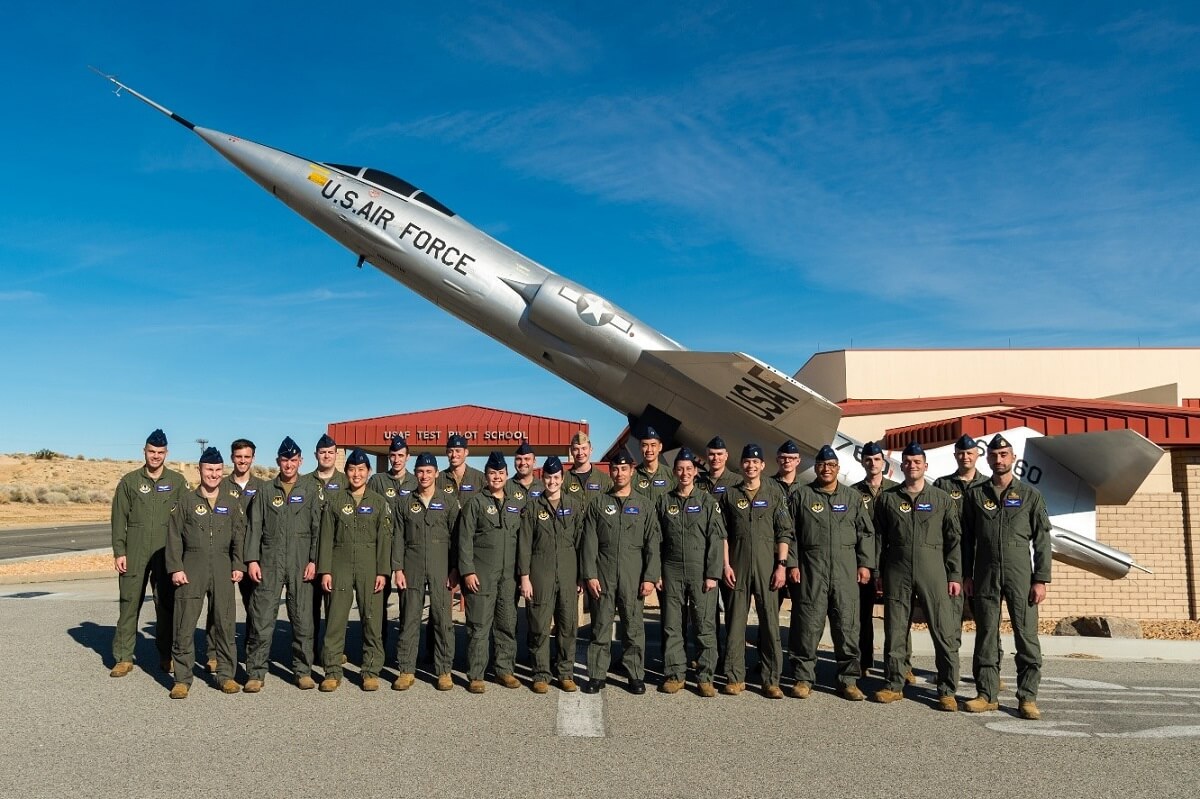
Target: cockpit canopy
393, 184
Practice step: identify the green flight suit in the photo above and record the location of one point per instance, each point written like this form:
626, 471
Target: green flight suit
321, 600
396, 490
693, 550
205, 540
473, 482
548, 552
957, 488
790, 590
355, 546
835, 537
653, 483
867, 593
284, 537
717, 488
246, 587
588, 483
486, 533
424, 551
620, 548
140, 509
919, 554
1000, 530
754, 526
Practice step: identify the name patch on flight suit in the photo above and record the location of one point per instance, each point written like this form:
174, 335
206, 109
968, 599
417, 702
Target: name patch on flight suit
250, 492
925, 507
1012, 502
564, 512
295, 500
659, 483
161, 489
365, 509
466, 487
836, 508
633, 511
719, 489
512, 509
590, 487
691, 509
404, 492
220, 511
761, 503
436, 506
332, 486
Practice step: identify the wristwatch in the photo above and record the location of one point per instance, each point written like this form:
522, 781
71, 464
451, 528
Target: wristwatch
781, 563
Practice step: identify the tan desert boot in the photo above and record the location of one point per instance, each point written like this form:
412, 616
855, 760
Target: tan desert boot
445, 682
801, 690
329, 684
253, 686
851, 692
476, 686
404, 682
121, 669
706, 690
179, 690
1029, 710
885, 696
508, 681
306, 683
980, 704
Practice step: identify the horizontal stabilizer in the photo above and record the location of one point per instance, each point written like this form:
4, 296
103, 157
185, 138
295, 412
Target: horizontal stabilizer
1113, 462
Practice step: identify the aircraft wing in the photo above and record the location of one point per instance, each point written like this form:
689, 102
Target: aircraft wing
735, 394
1113, 462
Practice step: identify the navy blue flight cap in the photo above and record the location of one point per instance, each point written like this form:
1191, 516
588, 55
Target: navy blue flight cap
495, 462
552, 465
685, 454
211, 455
826, 453
913, 449
456, 441
324, 442
998, 442
525, 449
752, 451
398, 443
788, 448
357, 458
871, 448
622, 456
716, 443
649, 434
157, 439
288, 448
964, 443
426, 459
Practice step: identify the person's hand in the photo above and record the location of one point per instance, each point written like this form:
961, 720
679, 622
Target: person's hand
955, 588
254, 571
237, 576
647, 589
401, 581
593, 588
471, 583
793, 575
1037, 593
310, 571
380, 582
864, 575
179, 578
730, 577
778, 578
327, 583
658, 586
120, 563
709, 584
526, 588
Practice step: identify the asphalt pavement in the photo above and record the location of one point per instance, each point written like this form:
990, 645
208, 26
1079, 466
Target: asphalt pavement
54, 540
1111, 727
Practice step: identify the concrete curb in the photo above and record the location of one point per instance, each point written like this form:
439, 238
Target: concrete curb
57, 577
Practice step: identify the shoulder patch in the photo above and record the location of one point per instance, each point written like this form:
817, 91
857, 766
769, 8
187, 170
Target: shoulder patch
348, 509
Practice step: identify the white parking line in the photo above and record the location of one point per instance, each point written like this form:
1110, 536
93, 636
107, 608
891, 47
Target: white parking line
1148, 713
580, 715
1056, 700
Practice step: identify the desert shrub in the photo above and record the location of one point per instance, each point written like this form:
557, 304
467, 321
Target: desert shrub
54, 498
45, 455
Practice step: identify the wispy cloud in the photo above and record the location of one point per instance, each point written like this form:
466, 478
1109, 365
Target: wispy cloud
529, 42
20, 296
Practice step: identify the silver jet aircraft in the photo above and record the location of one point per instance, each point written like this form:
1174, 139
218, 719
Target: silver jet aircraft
579, 336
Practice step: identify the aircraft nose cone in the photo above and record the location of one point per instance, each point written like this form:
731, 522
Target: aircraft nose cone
265, 165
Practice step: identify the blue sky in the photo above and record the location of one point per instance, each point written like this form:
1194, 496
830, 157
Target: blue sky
773, 178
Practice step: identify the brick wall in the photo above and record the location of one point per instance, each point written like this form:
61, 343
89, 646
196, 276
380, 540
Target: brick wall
1185, 473
1150, 528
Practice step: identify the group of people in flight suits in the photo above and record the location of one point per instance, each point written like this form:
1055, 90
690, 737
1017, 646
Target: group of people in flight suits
707, 539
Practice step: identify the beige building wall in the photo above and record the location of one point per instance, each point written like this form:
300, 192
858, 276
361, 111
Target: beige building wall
1082, 373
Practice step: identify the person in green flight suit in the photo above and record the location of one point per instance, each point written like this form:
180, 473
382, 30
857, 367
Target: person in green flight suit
396, 484
141, 506
424, 558
963, 479
488, 522
716, 481
693, 557
652, 478
619, 566
1004, 521
548, 567
919, 554
759, 531
835, 554
875, 465
584, 476
354, 554
203, 555
281, 555
331, 480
